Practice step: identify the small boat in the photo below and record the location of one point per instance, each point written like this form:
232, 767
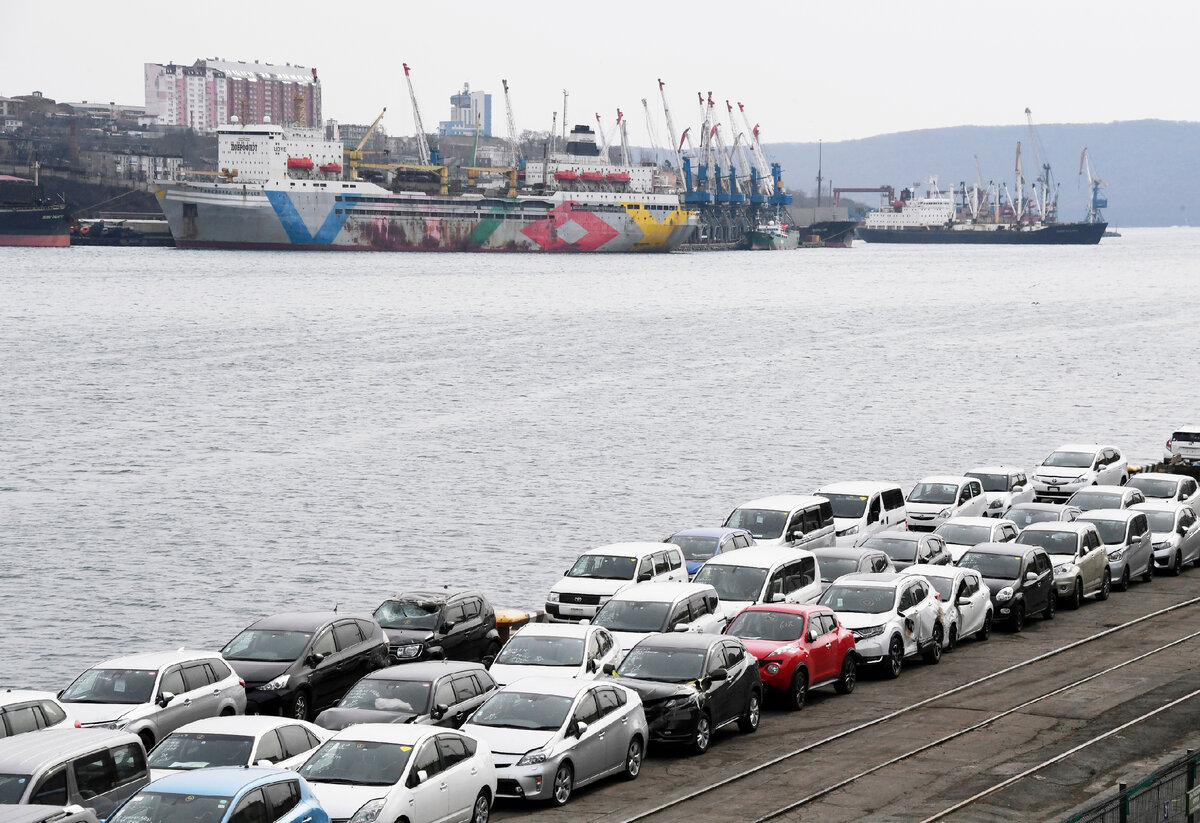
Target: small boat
593, 177
334, 168
619, 177
566, 175
299, 163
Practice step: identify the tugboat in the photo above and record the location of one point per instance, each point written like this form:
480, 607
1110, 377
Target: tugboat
27, 218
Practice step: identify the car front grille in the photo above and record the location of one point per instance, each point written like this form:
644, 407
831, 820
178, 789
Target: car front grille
580, 599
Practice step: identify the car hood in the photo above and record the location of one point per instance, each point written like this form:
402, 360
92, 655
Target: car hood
399, 637
1162, 537
338, 719
1059, 559
157, 773
1059, 472
998, 583
652, 690
342, 801
256, 672
627, 640
927, 508
731, 608
770, 648
860, 620
88, 713
502, 740
590, 585
505, 673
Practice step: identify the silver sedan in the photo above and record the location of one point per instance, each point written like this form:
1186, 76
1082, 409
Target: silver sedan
1175, 531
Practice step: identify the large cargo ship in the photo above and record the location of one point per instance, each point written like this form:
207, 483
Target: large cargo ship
283, 188
27, 219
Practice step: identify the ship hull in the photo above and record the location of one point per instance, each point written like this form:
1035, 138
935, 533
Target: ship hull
1054, 234
772, 241
46, 226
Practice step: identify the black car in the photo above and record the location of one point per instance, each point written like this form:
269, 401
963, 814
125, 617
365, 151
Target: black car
908, 547
1021, 579
434, 692
691, 685
297, 664
433, 625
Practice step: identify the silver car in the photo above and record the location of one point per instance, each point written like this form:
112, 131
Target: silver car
1126, 536
550, 735
1026, 514
1174, 532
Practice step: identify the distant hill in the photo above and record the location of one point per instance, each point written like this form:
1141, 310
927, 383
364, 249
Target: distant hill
1152, 167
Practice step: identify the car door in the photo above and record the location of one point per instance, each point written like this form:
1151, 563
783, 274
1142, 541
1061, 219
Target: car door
1004, 533
616, 721
822, 656
251, 808
1093, 560
354, 655
456, 631
202, 698
802, 583
1189, 534
269, 748
590, 752
325, 679
1044, 587
460, 773
719, 692
429, 792
444, 700
178, 708
677, 563
928, 608
608, 651
893, 507
284, 799
468, 696
1189, 491
1143, 547
743, 674
910, 613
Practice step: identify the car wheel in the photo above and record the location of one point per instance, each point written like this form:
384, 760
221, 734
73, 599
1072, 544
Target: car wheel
1018, 619
1176, 565
299, 706
1076, 596
985, 631
849, 679
798, 690
953, 642
633, 758
1051, 606
1123, 586
895, 658
1148, 575
933, 653
481, 812
1106, 586
703, 734
564, 782
748, 722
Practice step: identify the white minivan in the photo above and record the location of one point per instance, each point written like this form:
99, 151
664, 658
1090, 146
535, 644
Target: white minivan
600, 573
936, 499
861, 508
745, 577
797, 520
655, 608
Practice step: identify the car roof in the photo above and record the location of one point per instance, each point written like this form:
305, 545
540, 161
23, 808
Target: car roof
1082, 447
971, 521
1005, 548
424, 670
35, 813
1039, 507
554, 630
1178, 478
947, 478
786, 608
10, 696
1109, 514
296, 621
561, 686
997, 469
845, 551
155, 660
898, 534
247, 724
1060, 526
762, 557
634, 547
27, 753
662, 591
218, 780
434, 595
406, 734
680, 640
784, 502
1105, 488
880, 579
707, 531
1156, 505
855, 487
930, 570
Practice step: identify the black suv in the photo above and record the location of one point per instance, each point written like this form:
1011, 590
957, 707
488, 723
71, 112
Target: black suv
1021, 579
297, 664
432, 625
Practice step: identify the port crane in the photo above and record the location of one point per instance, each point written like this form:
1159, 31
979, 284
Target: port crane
354, 156
422, 144
602, 138
513, 145
676, 145
624, 138
1098, 199
1046, 192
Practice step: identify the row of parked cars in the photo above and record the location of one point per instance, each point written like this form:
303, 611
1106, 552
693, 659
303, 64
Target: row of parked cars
419, 712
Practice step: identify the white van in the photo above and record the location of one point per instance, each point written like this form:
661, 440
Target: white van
797, 520
654, 608
861, 508
747, 576
600, 573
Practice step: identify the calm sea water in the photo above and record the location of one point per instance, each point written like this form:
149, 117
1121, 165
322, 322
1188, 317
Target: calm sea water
191, 440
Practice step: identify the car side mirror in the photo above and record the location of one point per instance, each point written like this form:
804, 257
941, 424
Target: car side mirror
1031, 577
264, 762
421, 776
644, 576
681, 627
314, 659
609, 668
581, 728
719, 675
165, 698
812, 635
1018, 489
591, 664
448, 626
439, 711
779, 597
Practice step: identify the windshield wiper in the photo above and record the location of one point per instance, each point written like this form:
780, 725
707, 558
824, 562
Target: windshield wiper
341, 781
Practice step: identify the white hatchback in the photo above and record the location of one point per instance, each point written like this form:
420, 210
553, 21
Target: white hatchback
1167, 487
239, 740
1073, 466
24, 710
652, 608
966, 601
936, 499
567, 650
1003, 486
963, 533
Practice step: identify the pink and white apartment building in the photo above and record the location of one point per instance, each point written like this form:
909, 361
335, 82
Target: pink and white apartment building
208, 93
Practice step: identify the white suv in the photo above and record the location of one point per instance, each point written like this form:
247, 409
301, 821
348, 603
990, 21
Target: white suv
1073, 466
600, 573
1003, 486
861, 508
653, 608
936, 499
744, 577
23, 711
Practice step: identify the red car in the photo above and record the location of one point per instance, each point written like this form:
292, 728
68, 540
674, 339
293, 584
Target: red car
799, 647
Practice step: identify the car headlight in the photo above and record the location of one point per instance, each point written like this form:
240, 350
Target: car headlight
412, 650
848, 532
1083, 478
533, 757
116, 724
1062, 568
1116, 554
868, 631
772, 668
1004, 594
369, 811
996, 504
1165, 544
553, 597
278, 683
944, 513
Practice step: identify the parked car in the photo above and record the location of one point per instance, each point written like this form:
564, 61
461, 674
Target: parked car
298, 663
400, 771
961, 533
432, 692
700, 544
861, 508
600, 573
1174, 534
235, 741
965, 599
153, 693
892, 617
1078, 557
1105, 497
797, 520
839, 560
1073, 466
1003, 487
550, 736
693, 685
761, 575
1126, 537
95, 768
1184, 444
1020, 578
1025, 514
908, 547
1173, 488
650, 608
936, 499
225, 794
555, 650
47, 814
435, 625
24, 710
798, 647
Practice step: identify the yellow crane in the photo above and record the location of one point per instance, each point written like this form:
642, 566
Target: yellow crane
355, 154
473, 173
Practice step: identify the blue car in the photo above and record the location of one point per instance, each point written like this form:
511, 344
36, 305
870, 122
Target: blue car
700, 544
224, 794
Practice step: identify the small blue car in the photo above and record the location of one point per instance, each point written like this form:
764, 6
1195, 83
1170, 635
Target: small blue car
700, 544
224, 794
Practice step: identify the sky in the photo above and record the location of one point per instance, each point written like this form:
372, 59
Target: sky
804, 70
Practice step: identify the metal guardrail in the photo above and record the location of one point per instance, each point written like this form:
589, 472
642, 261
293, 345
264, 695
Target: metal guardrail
1169, 795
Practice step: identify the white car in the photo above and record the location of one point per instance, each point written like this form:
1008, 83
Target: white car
1126, 536
1184, 444
1078, 557
240, 740
1073, 466
892, 617
963, 533
1169, 488
1174, 533
1003, 486
800, 521
1026, 514
650, 608
555, 650
840, 560
600, 573
744, 577
24, 710
936, 499
861, 508
1105, 497
398, 771
966, 601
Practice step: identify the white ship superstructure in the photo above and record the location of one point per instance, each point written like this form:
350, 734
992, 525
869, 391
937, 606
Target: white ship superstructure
935, 209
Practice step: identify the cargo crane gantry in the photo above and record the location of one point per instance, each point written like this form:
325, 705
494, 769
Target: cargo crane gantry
422, 144
1097, 201
354, 156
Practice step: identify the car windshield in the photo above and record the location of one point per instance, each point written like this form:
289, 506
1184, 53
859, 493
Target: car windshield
834, 567
778, 627
933, 493
357, 762
942, 585
196, 751
896, 548
540, 650
604, 567
1054, 542
111, 686
696, 549
1111, 531
632, 616
991, 482
764, 524
12, 787
962, 535
523, 710
1153, 487
846, 597
733, 582
1096, 500
380, 694
1161, 521
995, 566
1186, 436
667, 665
267, 646
850, 506
408, 614
1027, 517
168, 807
1070, 460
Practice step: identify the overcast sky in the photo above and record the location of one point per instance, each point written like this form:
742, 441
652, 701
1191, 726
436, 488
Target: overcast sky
805, 70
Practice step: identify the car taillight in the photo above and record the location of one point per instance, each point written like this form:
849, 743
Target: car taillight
78, 725
1168, 444
241, 683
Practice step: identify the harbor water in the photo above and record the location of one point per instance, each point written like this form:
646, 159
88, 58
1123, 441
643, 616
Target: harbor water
191, 440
